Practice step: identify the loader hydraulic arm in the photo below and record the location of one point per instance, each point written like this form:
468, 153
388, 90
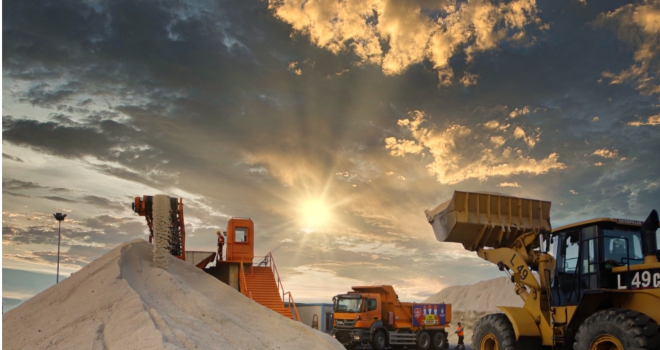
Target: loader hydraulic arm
501, 229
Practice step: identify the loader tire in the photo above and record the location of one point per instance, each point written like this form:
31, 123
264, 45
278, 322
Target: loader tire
618, 329
494, 331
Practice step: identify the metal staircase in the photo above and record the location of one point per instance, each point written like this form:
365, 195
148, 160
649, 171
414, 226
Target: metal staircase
262, 283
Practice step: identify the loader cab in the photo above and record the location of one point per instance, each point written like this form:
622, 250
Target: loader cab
586, 252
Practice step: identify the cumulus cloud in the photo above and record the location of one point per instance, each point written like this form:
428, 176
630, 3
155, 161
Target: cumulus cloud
469, 79
530, 140
453, 159
497, 140
494, 124
639, 26
605, 153
294, 67
401, 147
519, 111
397, 34
653, 120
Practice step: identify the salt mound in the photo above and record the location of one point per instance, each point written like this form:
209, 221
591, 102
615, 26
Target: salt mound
471, 302
120, 301
481, 296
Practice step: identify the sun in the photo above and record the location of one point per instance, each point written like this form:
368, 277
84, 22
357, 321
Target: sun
315, 215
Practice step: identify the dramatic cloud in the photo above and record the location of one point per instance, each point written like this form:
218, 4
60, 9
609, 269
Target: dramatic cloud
519, 111
398, 34
652, 120
605, 153
451, 150
639, 26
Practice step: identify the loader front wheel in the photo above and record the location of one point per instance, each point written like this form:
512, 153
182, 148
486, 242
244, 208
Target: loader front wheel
494, 332
617, 329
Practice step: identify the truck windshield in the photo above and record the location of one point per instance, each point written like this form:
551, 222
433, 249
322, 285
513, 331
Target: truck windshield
349, 305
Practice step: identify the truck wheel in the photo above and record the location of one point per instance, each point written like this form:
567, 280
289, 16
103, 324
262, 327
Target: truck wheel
494, 332
423, 341
439, 340
378, 342
617, 329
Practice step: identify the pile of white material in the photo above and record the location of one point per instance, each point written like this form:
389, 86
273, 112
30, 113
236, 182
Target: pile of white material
161, 225
471, 302
120, 301
481, 296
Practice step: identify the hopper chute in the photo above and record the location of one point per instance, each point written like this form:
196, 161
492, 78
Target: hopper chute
481, 219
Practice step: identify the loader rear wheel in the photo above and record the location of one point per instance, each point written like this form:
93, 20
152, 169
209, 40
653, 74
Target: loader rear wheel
423, 341
494, 332
617, 329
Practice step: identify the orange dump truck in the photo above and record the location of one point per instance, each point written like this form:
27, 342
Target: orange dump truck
373, 316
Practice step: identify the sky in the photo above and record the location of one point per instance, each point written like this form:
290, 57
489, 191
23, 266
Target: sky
332, 124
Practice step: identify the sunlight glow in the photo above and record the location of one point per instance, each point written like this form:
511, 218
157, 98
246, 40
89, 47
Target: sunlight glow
315, 215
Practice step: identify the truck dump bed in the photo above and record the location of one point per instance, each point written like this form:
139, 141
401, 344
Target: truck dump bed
484, 219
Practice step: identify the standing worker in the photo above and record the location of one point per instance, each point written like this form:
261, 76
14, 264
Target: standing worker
221, 243
461, 334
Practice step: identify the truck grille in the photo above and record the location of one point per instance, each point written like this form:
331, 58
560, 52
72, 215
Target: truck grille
345, 323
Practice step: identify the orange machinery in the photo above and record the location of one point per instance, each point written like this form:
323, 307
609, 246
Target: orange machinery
374, 315
240, 240
144, 207
239, 243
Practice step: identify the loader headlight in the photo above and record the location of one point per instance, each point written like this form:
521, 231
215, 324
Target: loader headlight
356, 337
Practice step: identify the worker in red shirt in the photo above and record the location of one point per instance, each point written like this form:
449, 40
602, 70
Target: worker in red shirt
461, 334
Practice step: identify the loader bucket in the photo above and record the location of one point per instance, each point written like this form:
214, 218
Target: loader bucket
480, 219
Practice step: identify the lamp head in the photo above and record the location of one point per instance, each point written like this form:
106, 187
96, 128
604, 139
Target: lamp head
59, 216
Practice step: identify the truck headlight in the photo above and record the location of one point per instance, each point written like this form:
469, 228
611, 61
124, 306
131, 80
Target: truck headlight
356, 337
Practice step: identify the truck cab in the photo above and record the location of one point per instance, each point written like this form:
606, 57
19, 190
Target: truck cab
355, 316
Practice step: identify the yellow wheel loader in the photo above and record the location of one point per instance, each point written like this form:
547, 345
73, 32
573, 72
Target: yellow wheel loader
591, 285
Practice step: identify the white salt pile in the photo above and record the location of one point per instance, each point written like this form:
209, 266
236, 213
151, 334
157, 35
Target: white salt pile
471, 302
161, 225
120, 301
481, 296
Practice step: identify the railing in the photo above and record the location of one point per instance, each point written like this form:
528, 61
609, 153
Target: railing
295, 309
243, 283
268, 261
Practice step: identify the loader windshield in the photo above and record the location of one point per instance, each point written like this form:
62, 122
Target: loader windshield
623, 247
345, 304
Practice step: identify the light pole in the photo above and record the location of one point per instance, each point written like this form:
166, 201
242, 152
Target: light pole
59, 217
